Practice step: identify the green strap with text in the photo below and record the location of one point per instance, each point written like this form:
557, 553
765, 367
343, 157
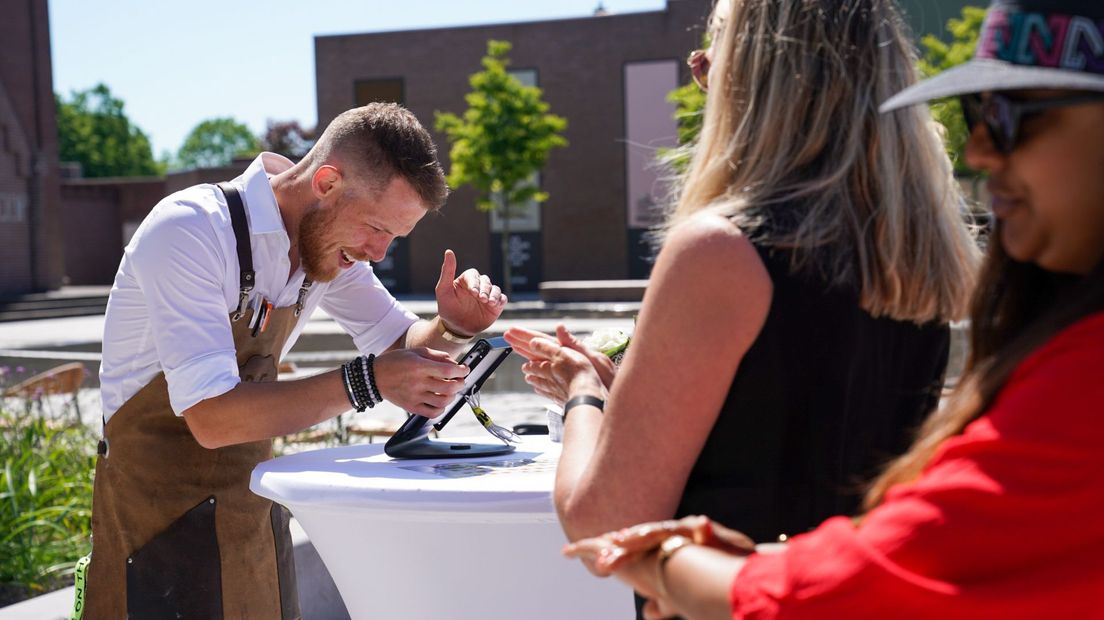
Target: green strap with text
80, 574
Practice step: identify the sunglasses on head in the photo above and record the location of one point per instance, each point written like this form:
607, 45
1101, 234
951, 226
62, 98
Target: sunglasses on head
1003, 115
699, 68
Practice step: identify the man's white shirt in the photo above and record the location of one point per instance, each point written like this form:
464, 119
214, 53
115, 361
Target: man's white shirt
179, 281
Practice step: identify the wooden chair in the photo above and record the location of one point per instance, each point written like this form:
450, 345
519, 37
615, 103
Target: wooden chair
59, 380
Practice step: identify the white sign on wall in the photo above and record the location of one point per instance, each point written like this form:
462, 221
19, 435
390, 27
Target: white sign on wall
649, 126
13, 208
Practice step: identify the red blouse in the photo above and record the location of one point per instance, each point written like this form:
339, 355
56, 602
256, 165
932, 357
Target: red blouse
1006, 522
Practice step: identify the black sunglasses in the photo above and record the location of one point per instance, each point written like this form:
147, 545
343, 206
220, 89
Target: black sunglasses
1003, 115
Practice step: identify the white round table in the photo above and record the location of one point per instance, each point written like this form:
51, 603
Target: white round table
440, 539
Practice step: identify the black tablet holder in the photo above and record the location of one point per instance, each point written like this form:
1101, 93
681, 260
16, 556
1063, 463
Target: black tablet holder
412, 440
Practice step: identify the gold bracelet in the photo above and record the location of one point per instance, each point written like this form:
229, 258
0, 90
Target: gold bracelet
452, 336
667, 549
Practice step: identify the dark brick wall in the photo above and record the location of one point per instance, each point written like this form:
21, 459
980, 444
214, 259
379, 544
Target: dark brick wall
30, 235
580, 64
93, 232
97, 213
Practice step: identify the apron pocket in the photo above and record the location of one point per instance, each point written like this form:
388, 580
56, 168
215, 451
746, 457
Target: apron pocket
178, 574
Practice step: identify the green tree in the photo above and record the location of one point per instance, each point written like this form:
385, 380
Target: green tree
288, 138
501, 142
940, 56
689, 102
93, 129
215, 142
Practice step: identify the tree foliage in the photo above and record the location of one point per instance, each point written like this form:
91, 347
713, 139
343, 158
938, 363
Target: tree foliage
940, 56
93, 130
46, 471
216, 142
502, 140
288, 138
689, 100
504, 136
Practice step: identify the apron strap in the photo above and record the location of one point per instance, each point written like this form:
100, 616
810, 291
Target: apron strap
245, 248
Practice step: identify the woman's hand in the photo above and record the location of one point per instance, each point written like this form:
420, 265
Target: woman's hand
612, 551
520, 338
562, 373
632, 554
562, 367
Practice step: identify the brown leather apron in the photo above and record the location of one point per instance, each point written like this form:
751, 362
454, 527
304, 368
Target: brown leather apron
176, 532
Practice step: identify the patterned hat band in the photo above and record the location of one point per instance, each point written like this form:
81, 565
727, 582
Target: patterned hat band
1051, 40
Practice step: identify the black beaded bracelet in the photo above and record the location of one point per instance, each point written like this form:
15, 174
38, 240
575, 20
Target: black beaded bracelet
364, 385
349, 393
364, 377
355, 374
584, 399
372, 379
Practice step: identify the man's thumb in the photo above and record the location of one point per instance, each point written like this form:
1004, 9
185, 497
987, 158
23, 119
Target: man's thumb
448, 268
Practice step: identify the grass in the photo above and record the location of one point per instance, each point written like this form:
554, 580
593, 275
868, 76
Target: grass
46, 470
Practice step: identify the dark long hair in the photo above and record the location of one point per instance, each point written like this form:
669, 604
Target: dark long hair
1016, 308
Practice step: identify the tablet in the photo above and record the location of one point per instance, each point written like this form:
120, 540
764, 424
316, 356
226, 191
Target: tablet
412, 438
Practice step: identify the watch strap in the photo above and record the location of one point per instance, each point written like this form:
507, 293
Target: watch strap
584, 399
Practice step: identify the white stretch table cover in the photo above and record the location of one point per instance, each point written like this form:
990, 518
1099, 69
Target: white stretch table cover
457, 538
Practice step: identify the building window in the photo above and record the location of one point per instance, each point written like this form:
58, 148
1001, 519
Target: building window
524, 247
394, 270
388, 90
649, 126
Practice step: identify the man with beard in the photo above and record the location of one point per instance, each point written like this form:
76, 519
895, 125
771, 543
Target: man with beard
212, 291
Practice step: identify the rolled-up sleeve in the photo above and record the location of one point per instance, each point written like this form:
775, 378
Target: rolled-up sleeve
179, 264
361, 305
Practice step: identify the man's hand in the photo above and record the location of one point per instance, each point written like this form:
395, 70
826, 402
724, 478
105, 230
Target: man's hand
421, 381
467, 304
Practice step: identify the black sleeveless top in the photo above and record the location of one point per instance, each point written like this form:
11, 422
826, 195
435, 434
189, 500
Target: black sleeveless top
825, 396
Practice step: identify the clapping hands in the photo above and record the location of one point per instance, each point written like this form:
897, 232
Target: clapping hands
561, 366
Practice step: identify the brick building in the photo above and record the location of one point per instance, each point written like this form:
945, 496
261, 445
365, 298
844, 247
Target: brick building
100, 216
30, 229
607, 74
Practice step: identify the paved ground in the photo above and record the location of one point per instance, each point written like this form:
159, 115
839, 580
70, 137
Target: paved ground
30, 346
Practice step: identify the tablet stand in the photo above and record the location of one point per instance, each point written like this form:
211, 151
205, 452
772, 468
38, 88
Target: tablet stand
412, 440
421, 446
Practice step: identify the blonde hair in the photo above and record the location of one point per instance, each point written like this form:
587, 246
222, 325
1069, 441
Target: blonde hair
794, 151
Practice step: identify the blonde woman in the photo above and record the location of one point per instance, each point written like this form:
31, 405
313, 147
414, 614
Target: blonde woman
794, 331
995, 511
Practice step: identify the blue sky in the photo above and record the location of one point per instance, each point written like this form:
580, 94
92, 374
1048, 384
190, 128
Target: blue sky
175, 64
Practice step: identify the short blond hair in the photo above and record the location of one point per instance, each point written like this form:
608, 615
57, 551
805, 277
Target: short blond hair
380, 141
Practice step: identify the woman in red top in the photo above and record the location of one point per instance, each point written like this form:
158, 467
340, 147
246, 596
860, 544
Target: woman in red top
997, 509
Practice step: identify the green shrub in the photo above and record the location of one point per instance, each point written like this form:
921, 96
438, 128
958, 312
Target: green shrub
940, 56
46, 471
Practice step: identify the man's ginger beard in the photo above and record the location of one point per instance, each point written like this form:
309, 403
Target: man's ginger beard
319, 259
